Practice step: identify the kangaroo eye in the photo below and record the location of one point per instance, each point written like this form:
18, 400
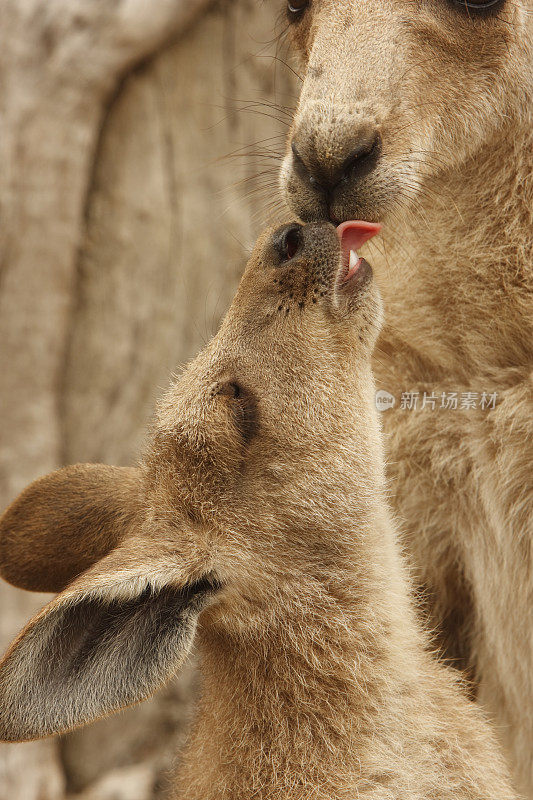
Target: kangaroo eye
478, 5
295, 8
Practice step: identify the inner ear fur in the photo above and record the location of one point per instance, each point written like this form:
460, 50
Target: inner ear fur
110, 640
65, 522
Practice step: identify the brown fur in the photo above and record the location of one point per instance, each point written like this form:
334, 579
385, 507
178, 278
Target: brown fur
450, 93
45, 519
263, 495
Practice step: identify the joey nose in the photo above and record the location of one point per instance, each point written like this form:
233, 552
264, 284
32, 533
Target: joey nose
301, 241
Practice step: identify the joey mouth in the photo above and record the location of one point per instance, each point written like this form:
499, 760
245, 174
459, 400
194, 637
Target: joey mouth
354, 271
355, 276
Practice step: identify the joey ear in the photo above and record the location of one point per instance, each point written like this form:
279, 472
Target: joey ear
107, 642
65, 522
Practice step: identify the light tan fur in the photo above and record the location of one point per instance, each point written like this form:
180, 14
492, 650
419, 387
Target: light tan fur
262, 514
450, 93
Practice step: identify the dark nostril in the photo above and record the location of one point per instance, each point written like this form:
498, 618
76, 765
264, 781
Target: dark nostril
288, 241
361, 160
302, 169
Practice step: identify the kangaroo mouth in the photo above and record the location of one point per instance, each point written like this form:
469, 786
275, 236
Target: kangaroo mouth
353, 234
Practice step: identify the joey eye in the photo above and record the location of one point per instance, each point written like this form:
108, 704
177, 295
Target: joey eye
229, 389
288, 241
296, 8
244, 406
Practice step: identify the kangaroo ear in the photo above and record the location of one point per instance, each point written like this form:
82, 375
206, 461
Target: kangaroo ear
108, 641
64, 523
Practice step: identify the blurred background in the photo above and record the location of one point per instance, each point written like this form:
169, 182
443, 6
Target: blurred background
139, 150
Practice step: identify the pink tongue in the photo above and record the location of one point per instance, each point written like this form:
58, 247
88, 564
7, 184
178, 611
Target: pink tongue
355, 233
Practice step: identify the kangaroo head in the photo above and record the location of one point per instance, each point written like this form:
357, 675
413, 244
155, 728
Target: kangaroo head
256, 449
286, 376
396, 92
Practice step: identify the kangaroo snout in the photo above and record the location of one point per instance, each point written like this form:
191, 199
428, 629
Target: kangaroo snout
334, 162
330, 166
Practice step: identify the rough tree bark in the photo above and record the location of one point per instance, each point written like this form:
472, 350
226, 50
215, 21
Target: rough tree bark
121, 242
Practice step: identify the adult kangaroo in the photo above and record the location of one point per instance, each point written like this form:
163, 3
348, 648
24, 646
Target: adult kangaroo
418, 114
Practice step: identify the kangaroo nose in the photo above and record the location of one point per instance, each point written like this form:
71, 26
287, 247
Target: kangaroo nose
329, 168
